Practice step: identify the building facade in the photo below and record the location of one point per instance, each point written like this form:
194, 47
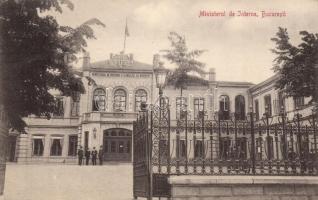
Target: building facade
103, 116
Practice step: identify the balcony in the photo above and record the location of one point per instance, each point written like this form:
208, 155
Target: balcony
109, 116
54, 121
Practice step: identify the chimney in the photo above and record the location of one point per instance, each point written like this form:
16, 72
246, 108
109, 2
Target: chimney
86, 60
156, 60
211, 74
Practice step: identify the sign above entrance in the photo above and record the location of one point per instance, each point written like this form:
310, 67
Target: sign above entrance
121, 75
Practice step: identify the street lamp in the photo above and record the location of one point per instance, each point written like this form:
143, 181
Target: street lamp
161, 74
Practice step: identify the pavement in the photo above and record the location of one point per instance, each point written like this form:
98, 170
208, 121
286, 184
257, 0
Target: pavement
68, 182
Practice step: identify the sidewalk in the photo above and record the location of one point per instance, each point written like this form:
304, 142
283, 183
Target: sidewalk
68, 182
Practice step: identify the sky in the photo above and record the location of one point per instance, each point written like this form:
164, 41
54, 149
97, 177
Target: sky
237, 47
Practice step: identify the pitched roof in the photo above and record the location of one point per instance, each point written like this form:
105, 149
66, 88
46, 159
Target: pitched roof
121, 62
269, 81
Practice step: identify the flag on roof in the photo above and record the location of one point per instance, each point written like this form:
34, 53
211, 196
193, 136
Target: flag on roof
126, 30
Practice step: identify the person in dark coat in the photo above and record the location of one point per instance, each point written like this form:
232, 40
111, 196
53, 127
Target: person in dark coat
80, 154
100, 155
87, 156
94, 156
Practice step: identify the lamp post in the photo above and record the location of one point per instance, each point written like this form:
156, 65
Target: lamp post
160, 74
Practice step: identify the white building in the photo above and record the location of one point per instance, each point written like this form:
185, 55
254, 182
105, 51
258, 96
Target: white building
104, 115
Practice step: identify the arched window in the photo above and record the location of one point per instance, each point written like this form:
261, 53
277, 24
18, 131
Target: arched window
140, 97
120, 100
224, 107
99, 100
239, 107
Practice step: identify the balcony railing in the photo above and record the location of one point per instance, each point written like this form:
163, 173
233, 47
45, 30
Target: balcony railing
109, 116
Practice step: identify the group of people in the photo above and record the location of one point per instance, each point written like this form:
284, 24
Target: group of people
90, 155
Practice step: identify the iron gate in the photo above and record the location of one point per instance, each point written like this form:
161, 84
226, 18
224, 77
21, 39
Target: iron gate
201, 146
141, 156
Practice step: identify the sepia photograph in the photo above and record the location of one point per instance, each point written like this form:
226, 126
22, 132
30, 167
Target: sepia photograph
158, 100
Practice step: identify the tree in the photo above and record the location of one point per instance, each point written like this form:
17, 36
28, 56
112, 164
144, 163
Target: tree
297, 65
36, 56
186, 63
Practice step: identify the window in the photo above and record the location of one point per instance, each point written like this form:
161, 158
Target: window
299, 102
72, 145
99, 100
259, 148
268, 104
128, 147
181, 107
225, 144
269, 147
75, 103
164, 102
56, 146
198, 151
303, 145
241, 148
59, 107
121, 147
198, 107
113, 147
119, 100
281, 101
163, 149
113, 133
140, 97
284, 146
256, 109
38, 145
121, 133
239, 107
182, 149
106, 150
224, 107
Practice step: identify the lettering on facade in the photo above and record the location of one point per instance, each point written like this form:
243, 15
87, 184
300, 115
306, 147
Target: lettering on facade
121, 75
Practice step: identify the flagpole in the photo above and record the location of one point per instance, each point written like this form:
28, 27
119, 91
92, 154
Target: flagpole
125, 35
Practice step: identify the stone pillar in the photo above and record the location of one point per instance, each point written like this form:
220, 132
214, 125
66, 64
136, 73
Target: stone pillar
79, 136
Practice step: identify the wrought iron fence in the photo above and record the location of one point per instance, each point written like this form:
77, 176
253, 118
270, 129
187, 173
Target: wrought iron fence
202, 146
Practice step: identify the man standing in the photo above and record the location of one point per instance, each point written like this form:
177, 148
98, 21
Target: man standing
94, 156
87, 155
80, 154
100, 155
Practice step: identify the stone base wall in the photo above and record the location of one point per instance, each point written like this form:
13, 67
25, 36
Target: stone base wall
244, 188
